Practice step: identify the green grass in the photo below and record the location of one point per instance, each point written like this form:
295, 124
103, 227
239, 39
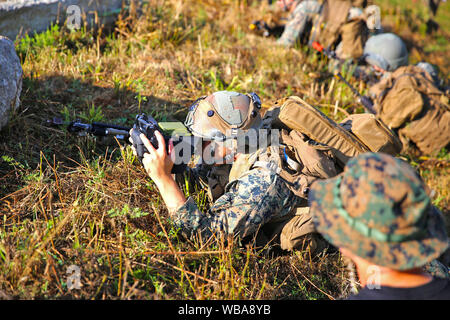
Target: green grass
68, 200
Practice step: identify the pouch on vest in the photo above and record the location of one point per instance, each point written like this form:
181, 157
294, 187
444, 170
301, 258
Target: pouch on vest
296, 114
401, 103
373, 133
354, 35
334, 14
316, 160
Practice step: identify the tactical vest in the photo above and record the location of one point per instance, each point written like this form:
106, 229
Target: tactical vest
409, 102
313, 146
332, 27
295, 230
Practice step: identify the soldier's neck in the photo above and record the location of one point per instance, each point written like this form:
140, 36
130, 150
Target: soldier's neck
373, 275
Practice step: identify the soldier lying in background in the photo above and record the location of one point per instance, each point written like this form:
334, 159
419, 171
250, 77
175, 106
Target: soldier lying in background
312, 20
406, 97
343, 25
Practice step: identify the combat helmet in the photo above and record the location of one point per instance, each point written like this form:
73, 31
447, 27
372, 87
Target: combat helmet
224, 115
387, 51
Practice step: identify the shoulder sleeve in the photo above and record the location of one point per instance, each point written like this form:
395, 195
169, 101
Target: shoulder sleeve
249, 202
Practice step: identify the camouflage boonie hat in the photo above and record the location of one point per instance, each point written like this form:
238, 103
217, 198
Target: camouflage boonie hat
379, 209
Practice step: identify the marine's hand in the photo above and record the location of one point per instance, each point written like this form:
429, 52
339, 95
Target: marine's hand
157, 163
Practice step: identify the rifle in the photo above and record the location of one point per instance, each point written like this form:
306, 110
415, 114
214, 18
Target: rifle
265, 30
143, 124
329, 53
94, 128
365, 101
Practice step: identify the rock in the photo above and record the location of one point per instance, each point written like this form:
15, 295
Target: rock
20, 17
10, 80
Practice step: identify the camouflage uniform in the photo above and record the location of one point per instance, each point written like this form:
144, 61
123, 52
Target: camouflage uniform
298, 20
256, 201
379, 209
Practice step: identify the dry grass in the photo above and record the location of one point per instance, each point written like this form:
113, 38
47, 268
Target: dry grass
68, 200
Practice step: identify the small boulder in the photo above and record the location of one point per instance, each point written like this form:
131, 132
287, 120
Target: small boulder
10, 80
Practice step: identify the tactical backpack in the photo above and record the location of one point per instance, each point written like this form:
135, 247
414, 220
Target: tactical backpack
332, 27
327, 25
312, 147
355, 135
354, 35
408, 102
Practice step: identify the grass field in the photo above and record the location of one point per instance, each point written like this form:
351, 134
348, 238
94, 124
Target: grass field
74, 201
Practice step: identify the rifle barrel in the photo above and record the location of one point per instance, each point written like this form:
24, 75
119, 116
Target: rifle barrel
356, 92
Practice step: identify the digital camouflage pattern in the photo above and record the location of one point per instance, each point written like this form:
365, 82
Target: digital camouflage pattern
258, 197
379, 209
298, 20
437, 269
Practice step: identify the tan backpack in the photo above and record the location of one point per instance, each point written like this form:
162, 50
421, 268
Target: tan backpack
361, 133
409, 102
354, 35
313, 146
327, 25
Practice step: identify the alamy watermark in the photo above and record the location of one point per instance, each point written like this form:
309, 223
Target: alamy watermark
245, 142
374, 278
74, 278
73, 13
